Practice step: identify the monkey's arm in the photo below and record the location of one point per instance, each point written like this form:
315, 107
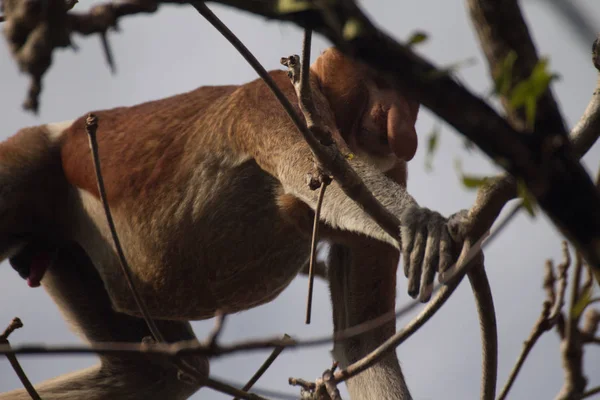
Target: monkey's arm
272, 140
426, 242
78, 290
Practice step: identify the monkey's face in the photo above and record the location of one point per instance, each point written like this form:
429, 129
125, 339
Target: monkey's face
376, 122
32, 260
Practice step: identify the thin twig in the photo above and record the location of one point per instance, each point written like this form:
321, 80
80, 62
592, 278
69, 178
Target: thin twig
304, 93
12, 359
263, 368
313, 250
549, 316
91, 126
213, 337
589, 327
572, 344
538, 329
330, 385
562, 270
108, 55
230, 390
589, 393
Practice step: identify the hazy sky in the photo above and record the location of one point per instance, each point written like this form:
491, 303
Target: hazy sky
175, 51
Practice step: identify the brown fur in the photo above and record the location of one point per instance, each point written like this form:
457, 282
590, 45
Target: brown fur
208, 193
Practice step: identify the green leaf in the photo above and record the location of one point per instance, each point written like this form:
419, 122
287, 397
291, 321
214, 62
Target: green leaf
582, 302
528, 200
294, 6
474, 182
526, 93
416, 38
432, 145
352, 29
470, 181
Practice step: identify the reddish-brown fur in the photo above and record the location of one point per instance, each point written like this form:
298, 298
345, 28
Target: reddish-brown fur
133, 139
209, 197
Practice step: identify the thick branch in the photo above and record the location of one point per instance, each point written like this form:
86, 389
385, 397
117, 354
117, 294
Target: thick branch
502, 30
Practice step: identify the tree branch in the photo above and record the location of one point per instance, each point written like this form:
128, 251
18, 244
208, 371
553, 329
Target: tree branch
502, 29
263, 368
547, 166
12, 359
548, 318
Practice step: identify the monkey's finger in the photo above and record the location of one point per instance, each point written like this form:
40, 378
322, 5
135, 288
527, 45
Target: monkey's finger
416, 264
430, 265
445, 252
408, 241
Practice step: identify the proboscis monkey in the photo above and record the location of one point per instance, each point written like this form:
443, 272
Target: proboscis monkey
210, 201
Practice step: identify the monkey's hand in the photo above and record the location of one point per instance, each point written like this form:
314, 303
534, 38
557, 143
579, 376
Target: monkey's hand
430, 244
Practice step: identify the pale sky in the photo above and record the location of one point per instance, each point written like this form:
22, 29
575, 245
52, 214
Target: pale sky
175, 51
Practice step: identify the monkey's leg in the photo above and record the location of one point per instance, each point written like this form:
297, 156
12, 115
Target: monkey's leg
363, 286
79, 292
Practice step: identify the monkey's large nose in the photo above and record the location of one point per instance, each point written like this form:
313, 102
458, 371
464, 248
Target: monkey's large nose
402, 135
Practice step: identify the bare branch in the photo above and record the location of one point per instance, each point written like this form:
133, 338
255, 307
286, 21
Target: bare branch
539, 328
313, 249
213, 336
586, 132
33, 35
108, 55
591, 320
572, 345
263, 368
547, 320
589, 393
230, 390
12, 358
330, 385
91, 126
319, 269
562, 269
